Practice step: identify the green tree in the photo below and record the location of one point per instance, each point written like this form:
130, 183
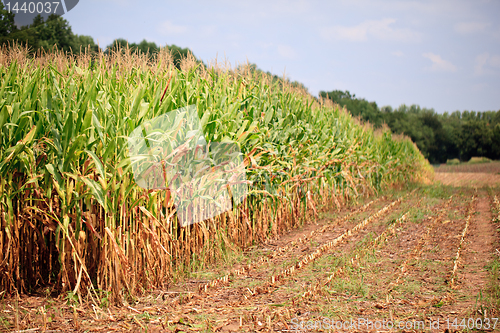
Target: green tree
151, 49
495, 141
117, 44
368, 111
82, 42
476, 139
148, 47
55, 32
179, 53
439, 137
452, 128
26, 35
7, 25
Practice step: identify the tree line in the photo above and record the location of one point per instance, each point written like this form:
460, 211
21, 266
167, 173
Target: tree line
44, 34
440, 137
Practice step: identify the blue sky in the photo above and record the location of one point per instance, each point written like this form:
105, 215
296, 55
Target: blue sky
438, 54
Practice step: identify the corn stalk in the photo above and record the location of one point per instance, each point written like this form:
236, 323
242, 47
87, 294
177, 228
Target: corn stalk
72, 216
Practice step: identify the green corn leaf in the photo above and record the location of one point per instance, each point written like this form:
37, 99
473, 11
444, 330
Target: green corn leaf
96, 190
97, 163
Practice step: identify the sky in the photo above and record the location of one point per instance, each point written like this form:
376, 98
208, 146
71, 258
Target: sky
443, 55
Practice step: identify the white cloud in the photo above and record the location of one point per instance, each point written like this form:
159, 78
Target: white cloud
286, 51
398, 53
479, 86
447, 8
378, 29
439, 64
495, 61
169, 28
486, 63
481, 60
353, 34
471, 27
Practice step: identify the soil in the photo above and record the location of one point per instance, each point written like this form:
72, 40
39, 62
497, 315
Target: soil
471, 179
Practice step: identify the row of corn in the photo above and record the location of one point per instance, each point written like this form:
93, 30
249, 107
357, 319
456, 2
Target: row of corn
331, 244
496, 205
284, 249
470, 212
72, 216
422, 242
314, 289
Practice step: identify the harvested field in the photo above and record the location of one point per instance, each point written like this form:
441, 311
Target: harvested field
422, 257
491, 167
473, 179
472, 175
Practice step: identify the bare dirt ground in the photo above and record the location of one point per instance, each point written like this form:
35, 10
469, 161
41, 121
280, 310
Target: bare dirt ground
472, 175
409, 261
488, 167
471, 179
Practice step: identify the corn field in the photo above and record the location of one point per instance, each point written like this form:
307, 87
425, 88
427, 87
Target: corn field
73, 218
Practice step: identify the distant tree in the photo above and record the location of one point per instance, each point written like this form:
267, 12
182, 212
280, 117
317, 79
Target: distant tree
55, 31
26, 35
280, 81
117, 44
452, 128
82, 42
178, 53
439, 137
495, 141
368, 111
7, 25
150, 48
143, 47
337, 96
476, 139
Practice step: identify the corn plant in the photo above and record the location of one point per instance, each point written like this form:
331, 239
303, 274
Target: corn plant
73, 216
